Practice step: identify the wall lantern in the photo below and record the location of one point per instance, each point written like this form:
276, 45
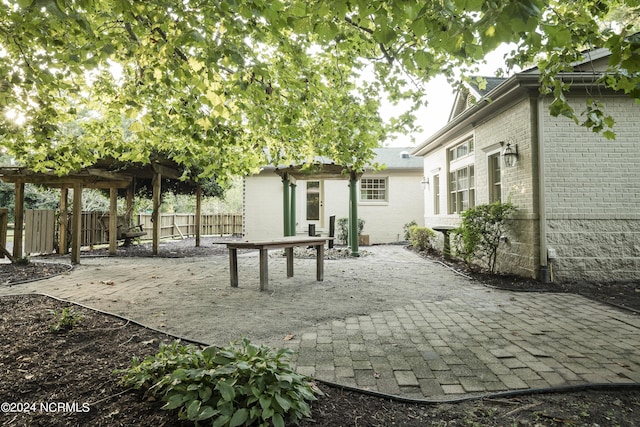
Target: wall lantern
424, 182
510, 155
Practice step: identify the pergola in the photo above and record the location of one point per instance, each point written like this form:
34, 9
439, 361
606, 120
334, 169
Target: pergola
105, 174
291, 174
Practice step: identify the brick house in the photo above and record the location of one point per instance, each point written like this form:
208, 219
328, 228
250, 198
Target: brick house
577, 194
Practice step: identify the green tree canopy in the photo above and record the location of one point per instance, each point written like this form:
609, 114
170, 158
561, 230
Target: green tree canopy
222, 86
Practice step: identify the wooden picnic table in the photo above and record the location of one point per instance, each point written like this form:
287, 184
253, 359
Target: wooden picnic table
286, 243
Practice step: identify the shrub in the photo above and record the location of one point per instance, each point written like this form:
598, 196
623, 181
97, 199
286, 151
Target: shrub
242, 384
66, 319
479, 234
407, 229
421, 238
343, 229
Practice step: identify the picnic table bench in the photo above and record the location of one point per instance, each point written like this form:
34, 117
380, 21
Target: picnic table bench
128, 234
286, 243
123, 232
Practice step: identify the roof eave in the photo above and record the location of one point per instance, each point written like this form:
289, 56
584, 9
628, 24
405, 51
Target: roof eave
506, 92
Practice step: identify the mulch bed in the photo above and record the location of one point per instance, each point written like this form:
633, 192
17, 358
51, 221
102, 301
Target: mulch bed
67, 379
623, 294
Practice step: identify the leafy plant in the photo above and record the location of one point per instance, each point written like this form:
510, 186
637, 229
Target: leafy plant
66, 319
478, 236
421, 238
343, 229
242, 384
407, 229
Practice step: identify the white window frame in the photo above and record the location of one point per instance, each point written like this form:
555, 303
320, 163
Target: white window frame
461, 156
462, 192
436, 194
491, 179
371, 185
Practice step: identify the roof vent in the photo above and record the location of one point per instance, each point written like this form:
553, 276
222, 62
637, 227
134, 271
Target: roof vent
404, 155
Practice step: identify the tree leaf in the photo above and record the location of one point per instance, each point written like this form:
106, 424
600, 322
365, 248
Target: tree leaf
385, 35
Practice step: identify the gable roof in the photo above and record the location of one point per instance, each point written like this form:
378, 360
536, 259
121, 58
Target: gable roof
586, 73
487, 86
472, 91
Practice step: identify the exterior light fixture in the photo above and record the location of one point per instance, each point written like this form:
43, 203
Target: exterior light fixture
424, 182
510, 155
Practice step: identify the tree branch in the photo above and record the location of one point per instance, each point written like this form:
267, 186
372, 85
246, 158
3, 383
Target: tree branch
387, 55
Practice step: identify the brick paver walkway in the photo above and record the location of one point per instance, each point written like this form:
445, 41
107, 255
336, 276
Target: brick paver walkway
423, 331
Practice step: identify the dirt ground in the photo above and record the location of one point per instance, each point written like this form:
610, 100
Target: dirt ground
69, 377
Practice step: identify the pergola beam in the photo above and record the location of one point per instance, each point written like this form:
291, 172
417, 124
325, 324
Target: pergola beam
105, 174
166, 171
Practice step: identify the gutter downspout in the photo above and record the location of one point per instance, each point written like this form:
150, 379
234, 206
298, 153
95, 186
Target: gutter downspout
543, 272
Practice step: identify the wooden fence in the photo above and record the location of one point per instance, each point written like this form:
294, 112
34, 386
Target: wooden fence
40, 231
42, 228
184, 224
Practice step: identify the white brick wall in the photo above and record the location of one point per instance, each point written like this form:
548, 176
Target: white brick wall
592, 194
591, 190
519, 254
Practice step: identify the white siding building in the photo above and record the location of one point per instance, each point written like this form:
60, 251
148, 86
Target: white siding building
387, 200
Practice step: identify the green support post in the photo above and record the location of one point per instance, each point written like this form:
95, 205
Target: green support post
286, 204
353, 214
292, 211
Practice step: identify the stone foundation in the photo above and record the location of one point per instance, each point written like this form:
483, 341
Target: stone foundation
595, 249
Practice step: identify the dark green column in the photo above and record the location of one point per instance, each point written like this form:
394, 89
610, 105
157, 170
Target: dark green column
353, 214
292, 210
286, 204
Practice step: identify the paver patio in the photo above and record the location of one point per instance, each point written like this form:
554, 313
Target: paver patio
390, 322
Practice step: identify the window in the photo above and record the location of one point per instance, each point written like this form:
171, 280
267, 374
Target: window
462, 193
461, 188
436, 194
313, 200
495, 184
373, 189
461, 150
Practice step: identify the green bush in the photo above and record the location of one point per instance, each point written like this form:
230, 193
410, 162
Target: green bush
239, 385
478, 236
66, 319
407, 229
421, 238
